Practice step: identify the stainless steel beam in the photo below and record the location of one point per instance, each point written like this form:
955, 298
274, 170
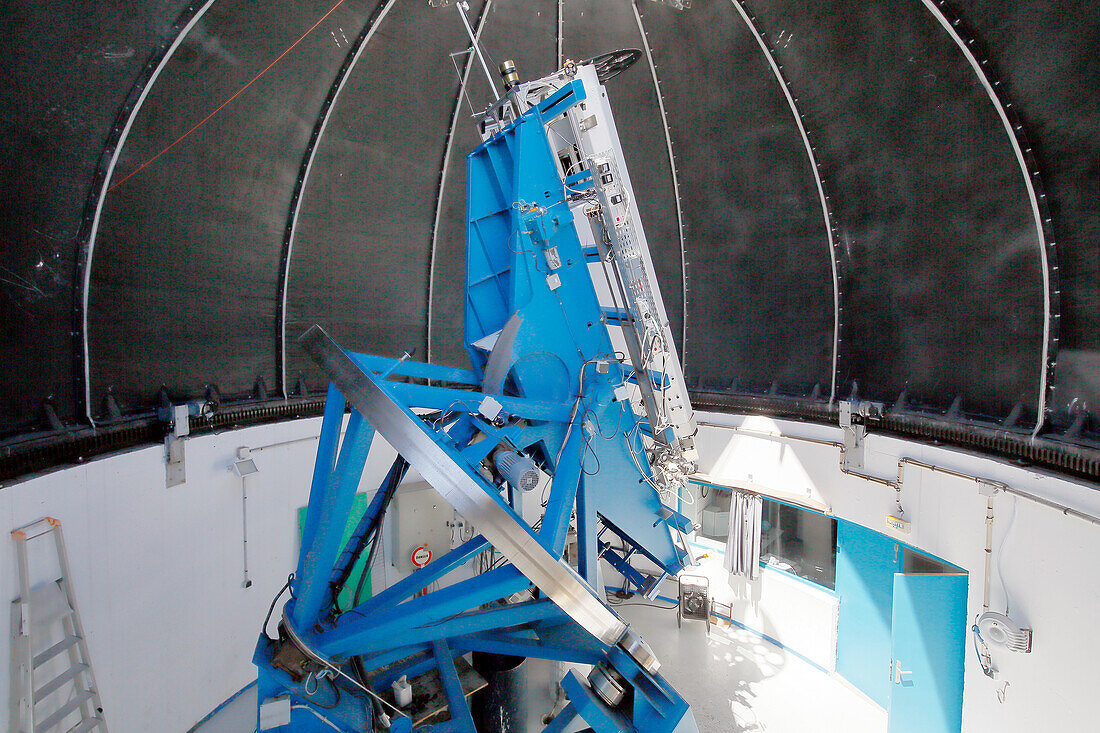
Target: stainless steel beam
467, 492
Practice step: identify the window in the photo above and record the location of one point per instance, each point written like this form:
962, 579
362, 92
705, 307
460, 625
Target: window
792, 539
799, 541
917, 563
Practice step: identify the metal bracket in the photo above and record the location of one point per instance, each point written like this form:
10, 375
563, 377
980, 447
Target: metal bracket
853, 417
851, 457
175, 466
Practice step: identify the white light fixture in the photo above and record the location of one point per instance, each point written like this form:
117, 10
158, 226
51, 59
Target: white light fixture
999, 629
245, 467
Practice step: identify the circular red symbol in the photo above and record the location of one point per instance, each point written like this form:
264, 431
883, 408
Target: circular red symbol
421, 556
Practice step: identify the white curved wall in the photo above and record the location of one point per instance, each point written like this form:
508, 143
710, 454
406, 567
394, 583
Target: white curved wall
1049, 560
158, 571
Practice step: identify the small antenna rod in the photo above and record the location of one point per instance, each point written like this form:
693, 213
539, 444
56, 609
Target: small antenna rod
463, 6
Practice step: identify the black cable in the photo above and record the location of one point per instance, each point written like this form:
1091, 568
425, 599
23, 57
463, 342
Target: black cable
360, 671
370, 534
367, 566
620, 602
271, 608
588, 447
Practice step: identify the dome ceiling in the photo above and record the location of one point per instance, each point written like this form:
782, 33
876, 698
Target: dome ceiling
844, 211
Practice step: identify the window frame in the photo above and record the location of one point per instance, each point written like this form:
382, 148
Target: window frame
718, 546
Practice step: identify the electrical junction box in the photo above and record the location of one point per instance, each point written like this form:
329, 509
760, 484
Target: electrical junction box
275, 712
421, 526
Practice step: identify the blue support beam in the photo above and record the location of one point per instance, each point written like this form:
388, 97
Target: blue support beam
452, 686
415, 369
421, 579
563, 491
326, 521
468, 623
327, 443
567, 715
588, 557
528, 644
386, 627
443, 398
412, 653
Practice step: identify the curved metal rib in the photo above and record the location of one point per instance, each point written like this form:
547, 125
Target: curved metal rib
445, 167
675, 182
561, 32
354, 53
1030, 174
101, 182
815, 169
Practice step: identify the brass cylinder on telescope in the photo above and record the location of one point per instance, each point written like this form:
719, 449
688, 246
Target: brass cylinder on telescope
508, 73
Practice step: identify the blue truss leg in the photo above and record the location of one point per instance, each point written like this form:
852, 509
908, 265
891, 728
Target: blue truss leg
588, 557
409, 368
516, 645
562, 720
460, 710
389, 626
502, 617
565, 488
315, 561
326, 459
421, 579
373, 662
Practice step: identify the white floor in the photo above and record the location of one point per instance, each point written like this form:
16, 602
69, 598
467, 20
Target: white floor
735, 682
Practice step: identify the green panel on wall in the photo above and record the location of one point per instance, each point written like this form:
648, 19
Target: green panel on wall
358, 508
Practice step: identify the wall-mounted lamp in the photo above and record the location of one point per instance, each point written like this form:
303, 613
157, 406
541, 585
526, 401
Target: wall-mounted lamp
245, 467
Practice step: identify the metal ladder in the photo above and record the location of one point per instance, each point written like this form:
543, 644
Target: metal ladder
46, 631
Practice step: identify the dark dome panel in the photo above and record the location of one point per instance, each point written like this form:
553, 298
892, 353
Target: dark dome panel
942, 279
760, 287
1048, 55
281, 173
360, 261
185, 269
68, 68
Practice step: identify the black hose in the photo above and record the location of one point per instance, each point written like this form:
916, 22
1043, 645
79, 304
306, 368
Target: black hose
271, 608
371, 532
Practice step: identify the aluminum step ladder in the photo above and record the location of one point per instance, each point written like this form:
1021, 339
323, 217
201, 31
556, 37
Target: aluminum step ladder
52, 679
